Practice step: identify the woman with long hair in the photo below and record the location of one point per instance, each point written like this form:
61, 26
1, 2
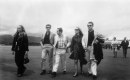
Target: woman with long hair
77, 51
20, 49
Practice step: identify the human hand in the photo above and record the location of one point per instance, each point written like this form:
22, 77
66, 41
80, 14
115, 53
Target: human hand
13, 52
96, 41
26, 54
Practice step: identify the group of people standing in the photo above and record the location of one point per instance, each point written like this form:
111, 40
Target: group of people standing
124, 44
54, 47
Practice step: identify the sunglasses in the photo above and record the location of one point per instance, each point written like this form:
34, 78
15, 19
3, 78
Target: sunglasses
48, 27
89, 25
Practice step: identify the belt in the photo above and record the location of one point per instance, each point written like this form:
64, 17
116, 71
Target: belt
61, 48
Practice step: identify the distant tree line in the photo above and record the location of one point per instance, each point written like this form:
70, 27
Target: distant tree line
8, 39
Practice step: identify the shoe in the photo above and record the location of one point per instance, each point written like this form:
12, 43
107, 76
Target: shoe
75, 75
89, 74
64, 72
24, 69
43, 72
53, 74
94, 76
19, 75
49, 72
82, 72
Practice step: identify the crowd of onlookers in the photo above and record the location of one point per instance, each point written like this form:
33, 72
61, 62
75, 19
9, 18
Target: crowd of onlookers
116, 45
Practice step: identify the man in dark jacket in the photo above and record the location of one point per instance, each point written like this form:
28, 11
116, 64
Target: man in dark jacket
124, 45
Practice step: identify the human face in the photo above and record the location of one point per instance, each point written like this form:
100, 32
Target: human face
76, 31
90, 26
19, 29
114, 38
125, 38
48, 28
58, 32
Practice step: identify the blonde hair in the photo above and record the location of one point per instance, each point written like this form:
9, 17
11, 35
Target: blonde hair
23, 30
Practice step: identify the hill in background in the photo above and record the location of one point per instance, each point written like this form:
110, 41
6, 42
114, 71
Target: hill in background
7, 40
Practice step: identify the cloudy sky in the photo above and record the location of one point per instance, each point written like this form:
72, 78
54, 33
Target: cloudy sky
109, 16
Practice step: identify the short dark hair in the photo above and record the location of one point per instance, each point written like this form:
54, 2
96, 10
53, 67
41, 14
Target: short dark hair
114, 38
48, 25
60, 29
91, 23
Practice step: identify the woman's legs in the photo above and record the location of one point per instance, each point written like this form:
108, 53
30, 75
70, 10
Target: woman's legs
19, 60
81, 67
76, 68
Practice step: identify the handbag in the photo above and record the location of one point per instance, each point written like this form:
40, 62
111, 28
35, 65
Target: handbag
26, 59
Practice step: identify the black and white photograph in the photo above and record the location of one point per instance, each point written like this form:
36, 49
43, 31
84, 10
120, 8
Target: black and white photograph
64, 40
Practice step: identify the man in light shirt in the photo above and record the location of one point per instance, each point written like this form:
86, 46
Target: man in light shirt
61, 44
114, 47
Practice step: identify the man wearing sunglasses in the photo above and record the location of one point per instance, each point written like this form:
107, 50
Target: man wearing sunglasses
47, 42
91, 69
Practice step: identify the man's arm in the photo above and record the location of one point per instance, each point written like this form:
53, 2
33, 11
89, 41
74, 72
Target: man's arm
41, 44
84, 42
42, 40
13, 44
128, 43
67, 42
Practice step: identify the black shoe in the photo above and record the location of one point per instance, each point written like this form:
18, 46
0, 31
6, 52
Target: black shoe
81, 72
53, 74
24, 70
75, 75
94, 76
43, 72
89, 74
64, 72
19, 75
49, 72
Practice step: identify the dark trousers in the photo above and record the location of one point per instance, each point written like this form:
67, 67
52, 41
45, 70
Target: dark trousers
19, 60
124, 52
98, 61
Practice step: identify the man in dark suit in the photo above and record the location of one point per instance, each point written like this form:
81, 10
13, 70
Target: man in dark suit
124, 45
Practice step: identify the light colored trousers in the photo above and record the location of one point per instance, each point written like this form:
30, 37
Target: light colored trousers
60, 56
92, 64
47, 53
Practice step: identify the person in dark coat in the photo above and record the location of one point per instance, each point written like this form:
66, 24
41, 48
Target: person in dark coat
98, 52
77, 51
124, 45
20, 49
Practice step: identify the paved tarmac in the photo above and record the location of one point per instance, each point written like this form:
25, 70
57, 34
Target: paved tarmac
109, 69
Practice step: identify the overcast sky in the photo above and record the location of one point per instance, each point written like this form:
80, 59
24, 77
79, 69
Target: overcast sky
109, 16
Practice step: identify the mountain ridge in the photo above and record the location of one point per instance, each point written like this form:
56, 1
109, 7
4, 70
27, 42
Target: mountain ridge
7, 39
